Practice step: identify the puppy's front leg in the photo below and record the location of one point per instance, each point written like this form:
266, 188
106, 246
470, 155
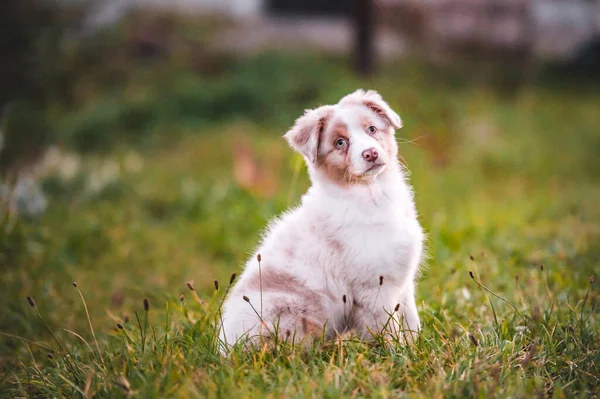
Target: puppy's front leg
410, 316
392, 313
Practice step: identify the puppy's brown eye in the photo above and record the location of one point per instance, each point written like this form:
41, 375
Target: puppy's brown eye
372, 129
340, 143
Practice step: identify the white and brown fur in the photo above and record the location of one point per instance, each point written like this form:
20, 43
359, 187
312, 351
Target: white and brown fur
347, 257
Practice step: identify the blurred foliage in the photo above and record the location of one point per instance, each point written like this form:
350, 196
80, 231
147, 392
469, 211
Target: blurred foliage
148, 72
24, 87
268, 88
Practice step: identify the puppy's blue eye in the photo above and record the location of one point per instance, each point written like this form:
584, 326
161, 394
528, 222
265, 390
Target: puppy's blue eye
341, 143
372, 129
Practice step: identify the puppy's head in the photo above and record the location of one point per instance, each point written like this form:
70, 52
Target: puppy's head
351, 142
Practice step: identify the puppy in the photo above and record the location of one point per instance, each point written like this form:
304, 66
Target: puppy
345, 259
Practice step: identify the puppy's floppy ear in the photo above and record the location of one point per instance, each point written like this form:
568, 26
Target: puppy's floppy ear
304, 135
373, 100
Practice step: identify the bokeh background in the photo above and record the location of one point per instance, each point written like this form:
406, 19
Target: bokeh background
141, 143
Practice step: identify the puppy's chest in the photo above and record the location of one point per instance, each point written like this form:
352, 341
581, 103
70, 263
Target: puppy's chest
387, 246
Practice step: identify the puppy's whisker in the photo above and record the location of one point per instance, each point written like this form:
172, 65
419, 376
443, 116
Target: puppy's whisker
403, 163
401, 140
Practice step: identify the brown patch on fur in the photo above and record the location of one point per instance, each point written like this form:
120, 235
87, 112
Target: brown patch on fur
277, 281
304, 315
290, 310
379, 111
339, 130
309, 327
334, 244
324, 235
332, 161
302, 137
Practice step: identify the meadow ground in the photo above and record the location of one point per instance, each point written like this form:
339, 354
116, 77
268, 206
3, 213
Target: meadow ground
508, 189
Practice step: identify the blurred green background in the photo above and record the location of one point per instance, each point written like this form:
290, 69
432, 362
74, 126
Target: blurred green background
138, 157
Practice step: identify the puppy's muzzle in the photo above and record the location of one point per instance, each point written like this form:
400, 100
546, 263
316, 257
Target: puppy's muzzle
370, 155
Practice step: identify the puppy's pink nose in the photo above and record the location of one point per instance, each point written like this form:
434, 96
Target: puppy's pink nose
370, 155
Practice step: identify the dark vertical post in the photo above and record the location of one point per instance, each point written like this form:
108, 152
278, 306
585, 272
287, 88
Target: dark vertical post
363, 29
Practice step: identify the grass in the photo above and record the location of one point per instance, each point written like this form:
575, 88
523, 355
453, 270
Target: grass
507, 188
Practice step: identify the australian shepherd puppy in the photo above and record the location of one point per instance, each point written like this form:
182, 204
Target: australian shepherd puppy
346, 258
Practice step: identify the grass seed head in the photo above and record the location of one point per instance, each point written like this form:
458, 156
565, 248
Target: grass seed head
146, 304
246, 298
217, 285
232, 278
181, 298
258, 257
537, 314
190, 286
120, 326
541, 268
397, 307
380, 280
473, 340
592, 278
31, 301
74, 284
471, 257
344, 298
471, 274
